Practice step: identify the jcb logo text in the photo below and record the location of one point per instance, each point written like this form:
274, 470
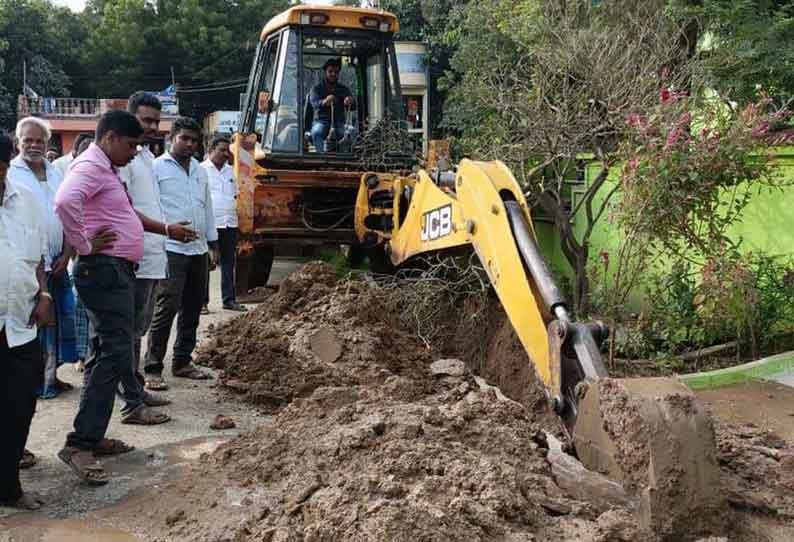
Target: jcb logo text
437, 223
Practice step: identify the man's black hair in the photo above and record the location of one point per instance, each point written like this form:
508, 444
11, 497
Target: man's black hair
143, 98
333, 62
80, 138
217, 140
185, 123
6, 147
120, 123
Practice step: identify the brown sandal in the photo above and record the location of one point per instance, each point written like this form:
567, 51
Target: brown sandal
28, 459
84, 465
144, 415
111, 446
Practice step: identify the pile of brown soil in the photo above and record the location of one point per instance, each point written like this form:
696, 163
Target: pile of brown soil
363, 463
355, 463
367, 443
491, 348
316, 331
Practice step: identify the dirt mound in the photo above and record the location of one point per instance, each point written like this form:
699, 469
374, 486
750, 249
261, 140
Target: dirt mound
369, 442
315, 331
357, 463
491, 348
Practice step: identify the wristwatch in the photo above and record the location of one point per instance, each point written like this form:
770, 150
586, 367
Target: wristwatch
48, 295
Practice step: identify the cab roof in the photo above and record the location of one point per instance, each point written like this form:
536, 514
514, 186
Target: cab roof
337, 17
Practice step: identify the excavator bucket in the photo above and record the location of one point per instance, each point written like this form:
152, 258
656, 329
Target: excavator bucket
654, 436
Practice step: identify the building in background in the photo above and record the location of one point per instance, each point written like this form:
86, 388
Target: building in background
71, 116
221, 122
415, 83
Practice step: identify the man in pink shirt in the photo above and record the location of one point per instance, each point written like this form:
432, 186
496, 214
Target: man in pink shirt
107, 233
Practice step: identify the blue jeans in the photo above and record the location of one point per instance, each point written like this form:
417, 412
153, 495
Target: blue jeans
320, 130
106, 285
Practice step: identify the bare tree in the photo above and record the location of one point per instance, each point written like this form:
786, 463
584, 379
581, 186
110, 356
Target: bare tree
563, 95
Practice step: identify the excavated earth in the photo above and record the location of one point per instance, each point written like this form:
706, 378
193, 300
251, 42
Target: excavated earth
374, 437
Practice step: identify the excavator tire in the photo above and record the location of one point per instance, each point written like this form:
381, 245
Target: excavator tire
656, 437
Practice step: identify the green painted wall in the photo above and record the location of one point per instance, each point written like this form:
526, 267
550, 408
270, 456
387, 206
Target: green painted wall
767, 224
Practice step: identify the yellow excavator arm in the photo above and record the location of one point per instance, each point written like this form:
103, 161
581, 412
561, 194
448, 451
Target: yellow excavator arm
441, 216
482, 206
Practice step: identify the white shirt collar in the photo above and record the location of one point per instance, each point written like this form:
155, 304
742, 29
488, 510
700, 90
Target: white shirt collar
21, 163
49, 169
211, 165
193, 162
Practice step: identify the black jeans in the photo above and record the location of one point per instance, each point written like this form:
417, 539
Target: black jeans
132, 388
22, 370
181, 293
106, 286
145, 291
227, 239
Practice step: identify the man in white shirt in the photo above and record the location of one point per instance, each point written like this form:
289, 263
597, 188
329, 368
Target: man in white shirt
32, 170
224, 192
25, 304
138, 177
80, 144
185, 197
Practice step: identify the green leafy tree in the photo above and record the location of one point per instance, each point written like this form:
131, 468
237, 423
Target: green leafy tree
136, 43
43, 37
743, 44
690, 167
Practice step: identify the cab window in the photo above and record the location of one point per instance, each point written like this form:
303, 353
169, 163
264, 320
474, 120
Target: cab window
363, 71
283, 134
263, 72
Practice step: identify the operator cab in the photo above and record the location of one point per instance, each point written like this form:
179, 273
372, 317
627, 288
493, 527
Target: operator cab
290, 60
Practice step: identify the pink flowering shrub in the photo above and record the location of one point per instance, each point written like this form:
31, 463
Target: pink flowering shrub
689, 171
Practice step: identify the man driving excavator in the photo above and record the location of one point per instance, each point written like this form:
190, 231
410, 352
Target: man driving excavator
329, 100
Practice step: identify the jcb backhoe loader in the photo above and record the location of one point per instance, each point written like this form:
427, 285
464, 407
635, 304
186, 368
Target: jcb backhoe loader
292, 192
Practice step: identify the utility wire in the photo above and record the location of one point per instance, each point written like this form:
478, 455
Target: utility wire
180, 91
214, 84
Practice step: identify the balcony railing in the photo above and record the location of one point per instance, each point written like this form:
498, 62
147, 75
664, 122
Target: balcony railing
59, 107
69, 108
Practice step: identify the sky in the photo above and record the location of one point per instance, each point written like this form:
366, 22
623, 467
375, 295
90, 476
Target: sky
74, 5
